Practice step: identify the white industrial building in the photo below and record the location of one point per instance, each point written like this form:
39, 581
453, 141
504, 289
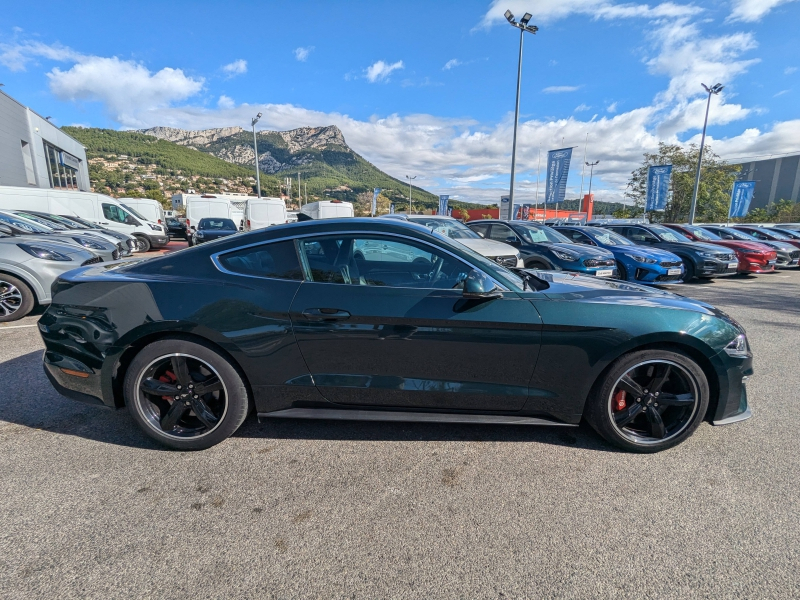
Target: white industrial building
36, 153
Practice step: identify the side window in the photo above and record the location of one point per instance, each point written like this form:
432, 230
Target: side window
112, 212
276, 261
480, 228
501, 233
758, 235
639, 235
577, 237
380, 261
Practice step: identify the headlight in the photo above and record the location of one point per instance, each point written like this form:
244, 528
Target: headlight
199, 234
709, 254
641, 259
747, 250
44, 253
155, 227
89, 243
738, 347
565, 255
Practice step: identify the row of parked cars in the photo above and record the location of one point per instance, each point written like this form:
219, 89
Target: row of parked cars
37, 247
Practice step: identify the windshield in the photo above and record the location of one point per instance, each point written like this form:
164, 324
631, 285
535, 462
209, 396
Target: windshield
447, 227
609, 238
80, 221
702, 234
23, 224
771, 233
133, 212
736, 234
216, 224
70, 223
43, 221
666, 234
541, 234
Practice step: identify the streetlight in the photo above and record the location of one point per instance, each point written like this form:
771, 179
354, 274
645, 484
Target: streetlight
255, 151
591, 166
409, 177
716, 89
523, 27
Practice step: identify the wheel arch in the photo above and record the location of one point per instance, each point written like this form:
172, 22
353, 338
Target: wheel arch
125, 355
36, 289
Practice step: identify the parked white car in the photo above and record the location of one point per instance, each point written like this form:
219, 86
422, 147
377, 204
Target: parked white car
211, 206
503, 254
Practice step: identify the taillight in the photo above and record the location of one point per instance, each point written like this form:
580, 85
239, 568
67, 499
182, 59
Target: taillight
187, 223
248, 222
159, 221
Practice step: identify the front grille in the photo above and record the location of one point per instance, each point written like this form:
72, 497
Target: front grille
131, 245
121, 248
604, 262
668, 263
92, 261
726, 257
669, 277
795, 254
506, 261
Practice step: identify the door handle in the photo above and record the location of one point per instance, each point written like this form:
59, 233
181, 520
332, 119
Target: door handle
326, 314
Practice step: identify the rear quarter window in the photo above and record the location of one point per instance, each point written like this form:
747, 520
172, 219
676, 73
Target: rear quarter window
277, 260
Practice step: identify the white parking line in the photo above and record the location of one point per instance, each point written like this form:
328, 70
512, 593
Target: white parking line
16, 326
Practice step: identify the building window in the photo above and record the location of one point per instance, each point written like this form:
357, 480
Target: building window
62, 176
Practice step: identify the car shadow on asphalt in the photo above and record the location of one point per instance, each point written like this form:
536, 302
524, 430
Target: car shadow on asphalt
28, 400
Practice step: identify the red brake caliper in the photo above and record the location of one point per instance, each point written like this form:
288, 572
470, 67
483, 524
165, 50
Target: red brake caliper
619, 401
168, 377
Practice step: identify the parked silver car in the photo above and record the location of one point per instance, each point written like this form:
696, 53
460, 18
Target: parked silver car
25, 227
64, 229
131, 241
28, 268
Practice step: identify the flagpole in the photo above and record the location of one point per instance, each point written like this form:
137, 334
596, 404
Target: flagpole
538, 174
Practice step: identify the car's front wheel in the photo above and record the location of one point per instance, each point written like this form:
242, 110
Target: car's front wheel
649, 400
144, 243
16, 298
185, 394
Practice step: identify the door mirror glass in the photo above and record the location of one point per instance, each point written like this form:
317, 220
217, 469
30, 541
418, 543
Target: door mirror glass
512, 239
479, 285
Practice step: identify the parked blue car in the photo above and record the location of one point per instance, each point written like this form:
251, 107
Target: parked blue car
542, 247
634, 263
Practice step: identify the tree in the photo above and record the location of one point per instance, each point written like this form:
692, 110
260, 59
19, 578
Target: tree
713, 196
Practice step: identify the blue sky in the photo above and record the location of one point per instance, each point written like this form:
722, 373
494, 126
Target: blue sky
424, 88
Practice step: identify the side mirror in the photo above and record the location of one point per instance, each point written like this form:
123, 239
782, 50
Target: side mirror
512, 239
479, 233
479, 285
6, 229
241, 228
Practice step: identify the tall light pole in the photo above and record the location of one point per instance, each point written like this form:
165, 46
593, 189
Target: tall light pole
591, 166
716, 89
255, 151
523, 27
409, 177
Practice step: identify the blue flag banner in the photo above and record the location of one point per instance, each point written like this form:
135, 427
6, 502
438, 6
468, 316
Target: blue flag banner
443, 205
449, 212
658, 178
741, 197
557, 171
517, 212
391, 208
375, 193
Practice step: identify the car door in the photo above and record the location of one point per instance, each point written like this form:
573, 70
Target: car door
503, 233
381, 321
116, 218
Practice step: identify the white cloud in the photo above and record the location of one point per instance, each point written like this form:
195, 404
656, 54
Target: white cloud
789, 70
16, 56
237, 67
225, 102
381, 70
302, 53
560, 89
126, 88
453, 62
781, 93
582, 107
753, 10
612, 108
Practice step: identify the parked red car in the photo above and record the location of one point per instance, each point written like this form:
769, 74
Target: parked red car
753, 257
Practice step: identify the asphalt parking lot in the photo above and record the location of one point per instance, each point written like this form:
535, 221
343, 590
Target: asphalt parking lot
91, 508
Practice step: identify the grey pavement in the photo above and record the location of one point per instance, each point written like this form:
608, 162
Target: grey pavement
91, 508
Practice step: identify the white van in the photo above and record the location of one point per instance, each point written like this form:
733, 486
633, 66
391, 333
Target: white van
96, 208
208, 205
263, 212
149, 209
326, 209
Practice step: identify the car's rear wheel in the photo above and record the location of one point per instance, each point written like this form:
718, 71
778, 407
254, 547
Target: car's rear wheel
622, 273
16, 298
649, 400
185, 394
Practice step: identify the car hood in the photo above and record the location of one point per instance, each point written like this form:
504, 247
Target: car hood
487, 247
656, 253
564, 285
582, 250
693, 247
741, 244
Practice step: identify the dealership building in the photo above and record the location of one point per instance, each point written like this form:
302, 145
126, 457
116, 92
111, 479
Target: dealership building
776, 179
36, 153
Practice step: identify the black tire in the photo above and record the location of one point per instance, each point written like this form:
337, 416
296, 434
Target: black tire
144, 243
218, 413
622, 272
678, 415
16, 298
536, 264
689, 270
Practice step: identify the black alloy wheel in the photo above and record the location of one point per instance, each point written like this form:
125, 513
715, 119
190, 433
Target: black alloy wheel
185, 394
689, 270
622, 273
649, 401
16, 298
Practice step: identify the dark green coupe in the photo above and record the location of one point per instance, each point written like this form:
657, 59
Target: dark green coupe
376, 319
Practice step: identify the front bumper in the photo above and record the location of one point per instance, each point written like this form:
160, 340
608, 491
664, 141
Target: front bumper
711, 267
83, 389
158, 241
732, 405
753, 263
